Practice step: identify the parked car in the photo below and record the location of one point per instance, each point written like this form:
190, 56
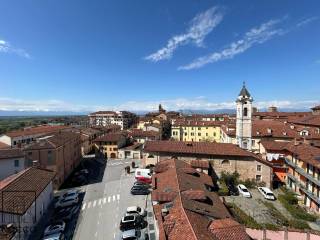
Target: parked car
55, 236
131, 234
67, 201
82, 172
133, 221
232, 190
66, 214
244, 191
136, 210
143, 175
139, 191
141, 184
70, 193
55, 227
267, 193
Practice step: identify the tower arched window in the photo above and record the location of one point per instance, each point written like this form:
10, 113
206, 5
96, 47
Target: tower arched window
245, 112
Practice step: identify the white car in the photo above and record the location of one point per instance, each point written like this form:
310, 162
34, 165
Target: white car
54, 228
70, 193
55, 236
244, 191
67, 201
266, 192
136, 210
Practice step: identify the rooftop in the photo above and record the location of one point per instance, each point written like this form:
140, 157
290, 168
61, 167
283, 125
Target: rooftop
25, 187
11, 153
192, 209
39, 130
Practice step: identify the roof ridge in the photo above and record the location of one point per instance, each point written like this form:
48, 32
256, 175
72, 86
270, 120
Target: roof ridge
179, 195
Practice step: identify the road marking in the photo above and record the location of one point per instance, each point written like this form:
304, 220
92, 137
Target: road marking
104, 200
94, 203
109, 198
113, 197
114, 236
84, 206
89, 204
118, 197
99, 202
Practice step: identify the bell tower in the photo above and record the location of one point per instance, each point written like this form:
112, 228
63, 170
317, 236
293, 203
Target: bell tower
244, 119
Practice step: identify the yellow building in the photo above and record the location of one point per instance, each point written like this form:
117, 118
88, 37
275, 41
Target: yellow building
196, 131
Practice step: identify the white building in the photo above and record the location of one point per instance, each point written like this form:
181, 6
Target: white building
244, 119
25, 198
12, 161
104, 118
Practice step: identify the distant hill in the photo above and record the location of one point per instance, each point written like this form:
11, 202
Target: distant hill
183, 111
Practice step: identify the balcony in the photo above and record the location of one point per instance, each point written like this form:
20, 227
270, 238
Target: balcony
302, 172
304, 188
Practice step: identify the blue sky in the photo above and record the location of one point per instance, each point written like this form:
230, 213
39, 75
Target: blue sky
81, 55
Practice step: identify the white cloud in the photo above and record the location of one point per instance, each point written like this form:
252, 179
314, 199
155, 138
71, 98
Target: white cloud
200, 27
306, 21
6, 47
198, 103
254, 36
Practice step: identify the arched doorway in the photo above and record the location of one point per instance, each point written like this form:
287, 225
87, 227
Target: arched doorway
113, 155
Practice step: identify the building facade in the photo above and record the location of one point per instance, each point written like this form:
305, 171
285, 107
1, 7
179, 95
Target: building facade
196, 131
221, 156
110, 144
303, 175
60, 153
12, 161
104, 118
25, 198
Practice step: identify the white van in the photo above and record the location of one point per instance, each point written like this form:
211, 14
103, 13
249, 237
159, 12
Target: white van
143, 175
266, 192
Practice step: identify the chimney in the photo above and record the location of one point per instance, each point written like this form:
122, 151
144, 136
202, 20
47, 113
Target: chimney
164, 212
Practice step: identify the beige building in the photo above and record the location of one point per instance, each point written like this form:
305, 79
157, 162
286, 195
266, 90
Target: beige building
110, 143
60, 152
222, 157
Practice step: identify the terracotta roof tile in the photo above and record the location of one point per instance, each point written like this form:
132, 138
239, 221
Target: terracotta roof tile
200, 164
33, 180
11, 153
228, 229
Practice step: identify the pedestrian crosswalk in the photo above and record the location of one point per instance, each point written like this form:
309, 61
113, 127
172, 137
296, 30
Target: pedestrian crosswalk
99, 202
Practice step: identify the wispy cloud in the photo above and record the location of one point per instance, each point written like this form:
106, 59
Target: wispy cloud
254, 36
198, 103
306, 21
199, 27
6, 47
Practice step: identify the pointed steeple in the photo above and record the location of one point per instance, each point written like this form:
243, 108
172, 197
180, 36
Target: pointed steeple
244, 92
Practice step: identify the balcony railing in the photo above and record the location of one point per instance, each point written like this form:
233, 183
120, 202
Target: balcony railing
302, 172
304, 188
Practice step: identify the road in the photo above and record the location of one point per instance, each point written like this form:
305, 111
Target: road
105, 203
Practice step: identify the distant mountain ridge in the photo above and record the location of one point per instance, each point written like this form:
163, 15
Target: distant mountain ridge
183, 111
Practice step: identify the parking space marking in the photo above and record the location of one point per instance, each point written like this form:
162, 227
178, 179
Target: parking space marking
84, 206
89, 204
113, 197
94, 203
109, 198
104, 200
118, 197
99, 202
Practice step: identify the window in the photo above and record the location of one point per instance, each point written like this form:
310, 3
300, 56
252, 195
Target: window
14, 143
192, 134
192, 128
258, 178
225, 162
199, 134
199, 128
185, 134
245, 112
214, 134
50, 159
207, 134
16, 163
253, 142
259, 168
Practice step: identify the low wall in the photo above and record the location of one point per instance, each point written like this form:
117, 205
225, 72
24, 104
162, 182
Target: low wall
281, 235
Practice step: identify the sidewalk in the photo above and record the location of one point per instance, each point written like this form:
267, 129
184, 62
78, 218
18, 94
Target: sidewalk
151, 220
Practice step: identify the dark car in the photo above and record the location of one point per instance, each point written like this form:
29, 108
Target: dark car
233, 191
139, 184
66, 214
140, 191
133, 221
